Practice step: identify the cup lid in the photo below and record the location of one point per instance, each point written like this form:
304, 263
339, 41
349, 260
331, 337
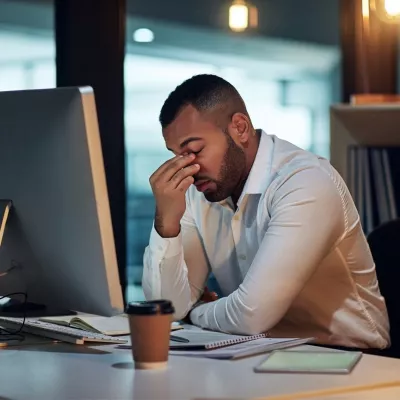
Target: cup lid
152, 307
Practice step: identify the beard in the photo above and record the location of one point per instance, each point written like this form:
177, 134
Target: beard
230, 174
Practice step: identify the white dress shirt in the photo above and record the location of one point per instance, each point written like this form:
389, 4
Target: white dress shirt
292, 260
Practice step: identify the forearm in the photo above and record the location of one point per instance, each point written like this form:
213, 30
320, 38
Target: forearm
176, 268
306, 222
165, 274
237, 314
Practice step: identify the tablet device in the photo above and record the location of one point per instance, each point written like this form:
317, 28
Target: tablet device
320, 362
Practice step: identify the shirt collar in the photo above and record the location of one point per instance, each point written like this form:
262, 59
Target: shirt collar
259, 176
258, 179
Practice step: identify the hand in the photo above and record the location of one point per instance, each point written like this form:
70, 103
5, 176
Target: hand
208, 297
169, 185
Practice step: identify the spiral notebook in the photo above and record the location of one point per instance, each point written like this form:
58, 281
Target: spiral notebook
209, 340
243, 349
209, 344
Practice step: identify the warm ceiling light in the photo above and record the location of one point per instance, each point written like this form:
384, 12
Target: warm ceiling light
242, 15
238, 16
365, 8
392, 8
387, 10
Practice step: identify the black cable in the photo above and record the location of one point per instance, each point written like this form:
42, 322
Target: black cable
6, 334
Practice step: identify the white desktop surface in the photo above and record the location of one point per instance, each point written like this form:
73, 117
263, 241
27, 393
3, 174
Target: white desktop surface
62, 371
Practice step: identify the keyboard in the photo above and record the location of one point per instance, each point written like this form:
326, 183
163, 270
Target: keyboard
57, 332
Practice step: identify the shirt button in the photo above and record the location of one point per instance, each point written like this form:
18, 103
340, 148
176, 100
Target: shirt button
236, 217
160, 248
242, 257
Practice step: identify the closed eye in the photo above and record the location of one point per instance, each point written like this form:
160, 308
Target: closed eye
197, 152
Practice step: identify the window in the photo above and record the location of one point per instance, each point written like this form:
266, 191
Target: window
27, 60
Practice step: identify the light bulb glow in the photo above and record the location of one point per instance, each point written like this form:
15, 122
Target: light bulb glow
365, 8
392, 8
143, 35
238, 16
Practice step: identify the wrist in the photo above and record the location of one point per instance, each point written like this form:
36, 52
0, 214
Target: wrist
199, 303
167, 231
187, 319
165, 228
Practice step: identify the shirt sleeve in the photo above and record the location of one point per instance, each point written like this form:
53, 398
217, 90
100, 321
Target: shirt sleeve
307, 219
176, 268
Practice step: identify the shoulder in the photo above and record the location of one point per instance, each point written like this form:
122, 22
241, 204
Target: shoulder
311, 192
293, 167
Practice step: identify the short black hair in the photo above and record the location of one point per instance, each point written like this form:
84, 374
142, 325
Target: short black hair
204, 92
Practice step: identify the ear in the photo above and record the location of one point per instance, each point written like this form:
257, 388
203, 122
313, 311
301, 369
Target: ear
240, 128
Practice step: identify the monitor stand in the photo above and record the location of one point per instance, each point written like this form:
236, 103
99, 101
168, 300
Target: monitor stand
10, 307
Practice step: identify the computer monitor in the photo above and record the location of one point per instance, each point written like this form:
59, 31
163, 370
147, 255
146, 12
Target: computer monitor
58, 243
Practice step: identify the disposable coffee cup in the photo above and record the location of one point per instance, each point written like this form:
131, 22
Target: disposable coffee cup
150, 327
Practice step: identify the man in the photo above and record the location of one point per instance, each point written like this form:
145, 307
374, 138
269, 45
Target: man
275, 224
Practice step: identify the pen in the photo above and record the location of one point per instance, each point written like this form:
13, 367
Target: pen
179, 339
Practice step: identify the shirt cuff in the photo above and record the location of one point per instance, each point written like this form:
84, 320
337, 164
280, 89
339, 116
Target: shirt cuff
197, 312
167, 247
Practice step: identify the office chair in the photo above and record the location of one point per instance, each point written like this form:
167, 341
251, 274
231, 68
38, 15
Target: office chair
384, 242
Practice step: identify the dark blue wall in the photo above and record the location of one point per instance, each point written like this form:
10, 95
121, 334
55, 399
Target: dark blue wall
315, 21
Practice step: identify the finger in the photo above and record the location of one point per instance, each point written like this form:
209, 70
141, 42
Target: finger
161, 169
176, 166
185, 183
213, 296
183, 173
208, 296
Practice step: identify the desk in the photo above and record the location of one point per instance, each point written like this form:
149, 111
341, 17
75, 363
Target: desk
62, 371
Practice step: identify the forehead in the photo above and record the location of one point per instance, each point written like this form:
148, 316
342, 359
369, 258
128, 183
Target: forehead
188, 123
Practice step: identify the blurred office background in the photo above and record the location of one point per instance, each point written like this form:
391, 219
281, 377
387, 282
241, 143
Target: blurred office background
288, 70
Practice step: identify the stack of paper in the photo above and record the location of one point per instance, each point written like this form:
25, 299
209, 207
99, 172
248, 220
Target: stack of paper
244, 349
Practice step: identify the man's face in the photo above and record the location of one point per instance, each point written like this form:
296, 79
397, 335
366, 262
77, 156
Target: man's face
222, 161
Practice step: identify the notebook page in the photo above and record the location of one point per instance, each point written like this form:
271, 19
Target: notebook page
116, 325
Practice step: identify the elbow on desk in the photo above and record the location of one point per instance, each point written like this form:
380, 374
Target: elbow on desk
253, 327
249, 314
256, 322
